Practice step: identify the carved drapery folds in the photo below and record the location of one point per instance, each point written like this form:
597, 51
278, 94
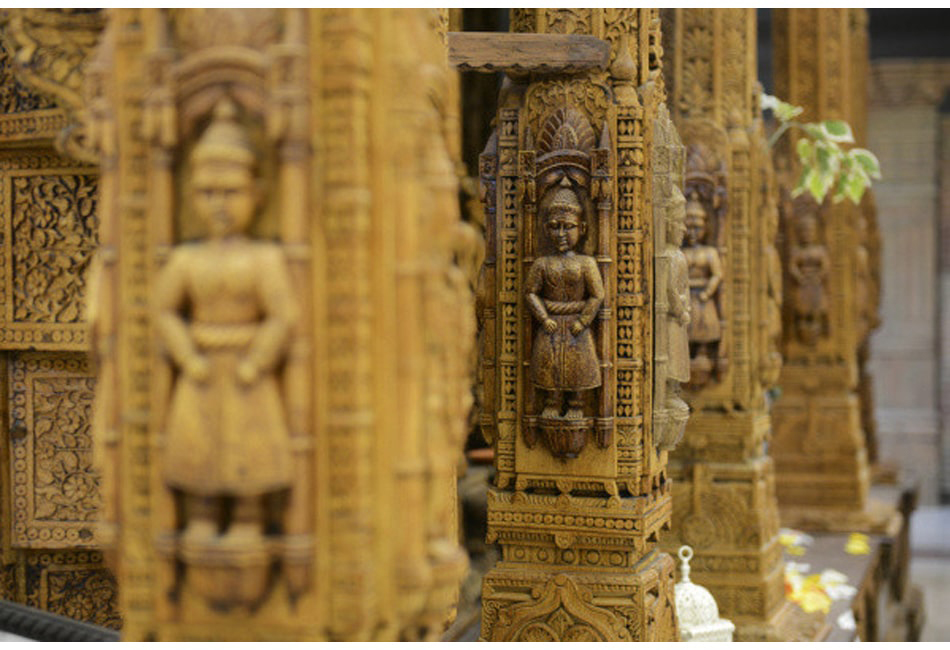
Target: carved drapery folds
278, 214
580, 490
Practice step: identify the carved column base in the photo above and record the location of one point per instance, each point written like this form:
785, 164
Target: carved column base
818, 447
876, 517
578, 568
728, 513
525, 603
789, 623
713, 436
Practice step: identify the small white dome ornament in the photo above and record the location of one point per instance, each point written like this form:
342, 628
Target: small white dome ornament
696, 609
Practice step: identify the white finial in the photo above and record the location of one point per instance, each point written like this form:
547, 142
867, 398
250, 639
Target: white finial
685, 554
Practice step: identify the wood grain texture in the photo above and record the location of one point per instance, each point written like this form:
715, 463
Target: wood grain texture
514, 53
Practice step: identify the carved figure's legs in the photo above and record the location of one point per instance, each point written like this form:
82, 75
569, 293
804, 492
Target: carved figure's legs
202, 514
247, 521
575, 405
552, 404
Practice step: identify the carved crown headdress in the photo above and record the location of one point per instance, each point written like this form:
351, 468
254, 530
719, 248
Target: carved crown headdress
564, 144
224, 140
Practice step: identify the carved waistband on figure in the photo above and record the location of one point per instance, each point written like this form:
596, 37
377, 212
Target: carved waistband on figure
557, 308
223, 335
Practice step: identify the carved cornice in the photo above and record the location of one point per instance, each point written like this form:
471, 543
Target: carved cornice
903, 82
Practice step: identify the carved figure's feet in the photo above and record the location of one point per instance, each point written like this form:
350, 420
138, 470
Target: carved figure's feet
242, 535
574, 413
199, 531
550, 412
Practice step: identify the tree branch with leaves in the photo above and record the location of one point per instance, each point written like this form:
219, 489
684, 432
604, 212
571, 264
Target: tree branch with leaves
826, 164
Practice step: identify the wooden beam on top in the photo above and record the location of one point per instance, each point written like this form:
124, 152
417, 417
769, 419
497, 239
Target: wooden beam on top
524, 53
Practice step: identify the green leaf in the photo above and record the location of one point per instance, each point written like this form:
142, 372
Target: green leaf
837, 131
817, 185
823, 157
805, 150
867, 161
855, 185
803, 181
814, 131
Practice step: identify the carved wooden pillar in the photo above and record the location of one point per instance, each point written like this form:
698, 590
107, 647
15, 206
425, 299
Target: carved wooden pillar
818, 445
280, 328
50, 549
868, 268
724, 502
581, 491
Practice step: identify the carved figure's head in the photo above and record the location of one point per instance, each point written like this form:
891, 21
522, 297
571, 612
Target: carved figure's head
225, 193
695, 220
563, 218
676, 218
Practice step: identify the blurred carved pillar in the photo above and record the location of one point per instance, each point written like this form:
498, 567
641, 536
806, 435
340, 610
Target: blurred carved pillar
724, 502
868, 269
581, 492
819, 446
299, 382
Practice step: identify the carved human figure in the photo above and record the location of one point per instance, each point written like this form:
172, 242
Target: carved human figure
564, 292
678, 319
808, 267
705, 275
225, 313
678, 292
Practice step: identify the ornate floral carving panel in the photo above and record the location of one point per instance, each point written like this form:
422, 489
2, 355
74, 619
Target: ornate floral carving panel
74, 584
15, 97
55, 488
49, 226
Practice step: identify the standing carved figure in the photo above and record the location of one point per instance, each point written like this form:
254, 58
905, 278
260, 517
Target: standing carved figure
808, 267
705, 275
564, 293
226, 310
678, 320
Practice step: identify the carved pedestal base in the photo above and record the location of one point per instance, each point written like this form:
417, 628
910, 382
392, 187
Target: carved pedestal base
818, 447
727, 512
578, 568
523, 603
